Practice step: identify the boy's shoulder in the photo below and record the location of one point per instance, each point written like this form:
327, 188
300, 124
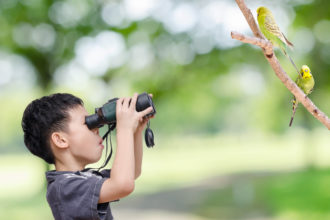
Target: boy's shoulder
85, 174
76, 194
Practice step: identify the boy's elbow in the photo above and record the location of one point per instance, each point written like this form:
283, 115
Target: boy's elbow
116, 188
126, 187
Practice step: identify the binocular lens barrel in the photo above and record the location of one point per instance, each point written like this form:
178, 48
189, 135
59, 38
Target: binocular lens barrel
94, 121
107, 113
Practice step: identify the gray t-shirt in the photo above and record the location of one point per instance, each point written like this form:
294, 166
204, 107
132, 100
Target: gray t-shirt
75, 195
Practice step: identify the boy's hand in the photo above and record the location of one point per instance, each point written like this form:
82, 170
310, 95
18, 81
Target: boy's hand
143, 123
127, 116
141, 126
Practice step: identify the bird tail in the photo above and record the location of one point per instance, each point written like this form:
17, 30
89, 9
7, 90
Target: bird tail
288, 56
294, 108
288, 42
294, 65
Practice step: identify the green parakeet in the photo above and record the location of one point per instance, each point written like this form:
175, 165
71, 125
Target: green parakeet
305, 82
272, 32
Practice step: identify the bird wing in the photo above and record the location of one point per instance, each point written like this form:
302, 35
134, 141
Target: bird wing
305, 85
310, 86
287, 41
272, 27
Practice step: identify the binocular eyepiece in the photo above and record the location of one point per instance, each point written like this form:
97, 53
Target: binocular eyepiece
107, 113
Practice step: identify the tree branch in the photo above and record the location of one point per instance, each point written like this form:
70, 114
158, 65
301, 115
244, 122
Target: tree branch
267, 49
264, 44
250, 19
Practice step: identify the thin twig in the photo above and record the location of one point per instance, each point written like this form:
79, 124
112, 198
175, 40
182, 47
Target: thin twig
250, 19
260, 41
264, 44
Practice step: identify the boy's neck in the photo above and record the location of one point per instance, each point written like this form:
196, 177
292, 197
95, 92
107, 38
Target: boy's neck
65, 161
59, 166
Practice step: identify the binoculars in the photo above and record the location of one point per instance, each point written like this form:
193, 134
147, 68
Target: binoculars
107, 115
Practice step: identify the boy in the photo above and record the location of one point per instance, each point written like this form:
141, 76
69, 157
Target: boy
55, 130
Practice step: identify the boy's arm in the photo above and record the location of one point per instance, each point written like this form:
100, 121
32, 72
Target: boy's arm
121, 182
138, 151
138, 144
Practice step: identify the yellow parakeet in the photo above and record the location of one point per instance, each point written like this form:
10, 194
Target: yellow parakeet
272, 32
305, 81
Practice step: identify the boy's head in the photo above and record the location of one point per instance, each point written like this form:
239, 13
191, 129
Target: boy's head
54, 126
44, 116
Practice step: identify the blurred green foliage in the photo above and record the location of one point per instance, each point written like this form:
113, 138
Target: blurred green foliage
225, 88
211, 176
297, 196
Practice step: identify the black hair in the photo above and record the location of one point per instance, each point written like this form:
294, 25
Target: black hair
44, 116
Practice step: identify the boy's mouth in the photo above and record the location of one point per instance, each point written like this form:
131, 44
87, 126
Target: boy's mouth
100, 144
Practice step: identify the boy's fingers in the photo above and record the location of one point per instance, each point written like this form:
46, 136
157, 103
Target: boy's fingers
133, 101
119, 103
126, 102
146, 111
146, 120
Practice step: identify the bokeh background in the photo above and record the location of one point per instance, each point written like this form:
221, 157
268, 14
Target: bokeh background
223, 146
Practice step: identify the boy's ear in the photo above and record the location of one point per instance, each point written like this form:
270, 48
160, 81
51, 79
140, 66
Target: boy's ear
59, 140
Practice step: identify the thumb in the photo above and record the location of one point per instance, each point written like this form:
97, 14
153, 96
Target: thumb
146, 111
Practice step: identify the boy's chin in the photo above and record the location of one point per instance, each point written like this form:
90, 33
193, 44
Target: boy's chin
94, 160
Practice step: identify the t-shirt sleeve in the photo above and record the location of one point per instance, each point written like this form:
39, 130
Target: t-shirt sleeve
79, 195
106, 173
